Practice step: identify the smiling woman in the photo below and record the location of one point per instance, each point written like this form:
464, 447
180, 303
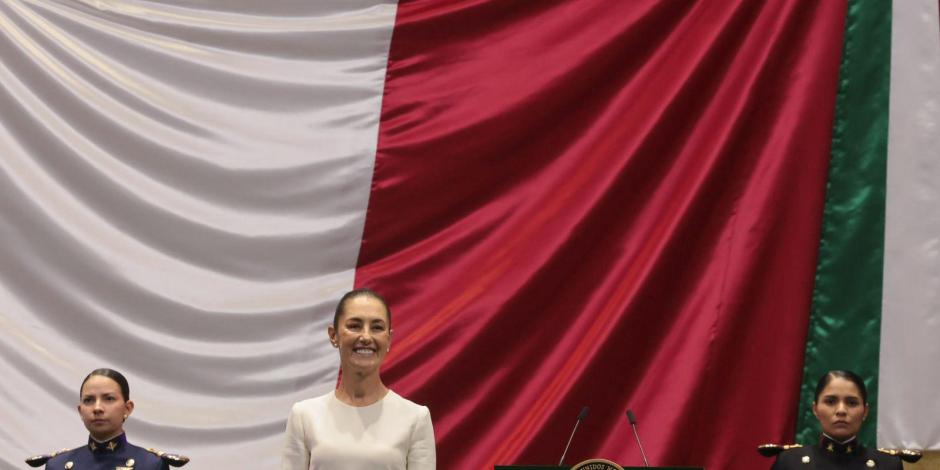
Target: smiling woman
362, 331
362, 425
104, 405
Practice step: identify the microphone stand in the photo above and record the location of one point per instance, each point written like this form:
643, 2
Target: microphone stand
581, 416
632, 418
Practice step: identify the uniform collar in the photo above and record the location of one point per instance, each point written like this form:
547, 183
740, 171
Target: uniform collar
107, 447
831, 445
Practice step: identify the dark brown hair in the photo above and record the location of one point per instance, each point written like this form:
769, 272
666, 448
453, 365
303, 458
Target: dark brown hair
360, 292
842, 374
113, 375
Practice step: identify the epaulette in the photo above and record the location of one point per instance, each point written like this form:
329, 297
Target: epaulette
771, 450
40, 460
906, 455
175, 460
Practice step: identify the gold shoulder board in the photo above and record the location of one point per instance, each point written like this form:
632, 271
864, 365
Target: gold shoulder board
906, 455
772, 450
175, 460
40, 460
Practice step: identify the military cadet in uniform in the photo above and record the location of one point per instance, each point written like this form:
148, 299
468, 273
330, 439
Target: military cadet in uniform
841, 406
104, 405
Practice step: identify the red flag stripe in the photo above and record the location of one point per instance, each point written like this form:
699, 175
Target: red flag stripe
602, 203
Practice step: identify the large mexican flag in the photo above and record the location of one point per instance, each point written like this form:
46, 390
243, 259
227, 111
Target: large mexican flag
684, 209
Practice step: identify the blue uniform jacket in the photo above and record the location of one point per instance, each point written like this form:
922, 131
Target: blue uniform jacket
831, 455
116, 454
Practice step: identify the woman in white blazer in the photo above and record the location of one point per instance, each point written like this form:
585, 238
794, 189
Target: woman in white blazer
362, 425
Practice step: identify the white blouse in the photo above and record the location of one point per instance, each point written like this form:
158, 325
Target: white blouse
393, 433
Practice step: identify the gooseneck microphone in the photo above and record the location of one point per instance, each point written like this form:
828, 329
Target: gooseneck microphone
632, 418
583, 414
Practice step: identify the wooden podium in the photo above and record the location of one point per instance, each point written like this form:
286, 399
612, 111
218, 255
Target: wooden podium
555, 467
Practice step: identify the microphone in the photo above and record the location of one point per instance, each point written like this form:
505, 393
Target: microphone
583, 414
632, 418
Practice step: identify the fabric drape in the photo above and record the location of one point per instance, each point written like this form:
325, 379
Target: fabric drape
182, 194
911, 307
567, 203
611, 204
875, 308
846, 313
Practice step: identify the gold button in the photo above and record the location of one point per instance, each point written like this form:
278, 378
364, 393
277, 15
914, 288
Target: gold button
805, 459
870, 463
129, 463
69, 465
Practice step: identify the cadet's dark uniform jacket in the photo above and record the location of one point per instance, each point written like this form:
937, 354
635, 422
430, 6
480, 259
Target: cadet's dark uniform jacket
114, 454
831, 455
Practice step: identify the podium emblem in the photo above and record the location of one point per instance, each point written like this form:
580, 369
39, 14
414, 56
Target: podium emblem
597, 464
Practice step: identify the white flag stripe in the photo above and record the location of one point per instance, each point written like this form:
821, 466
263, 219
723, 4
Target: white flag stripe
909, 377
182, 198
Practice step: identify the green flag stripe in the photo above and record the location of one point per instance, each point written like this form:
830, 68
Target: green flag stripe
845, 320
